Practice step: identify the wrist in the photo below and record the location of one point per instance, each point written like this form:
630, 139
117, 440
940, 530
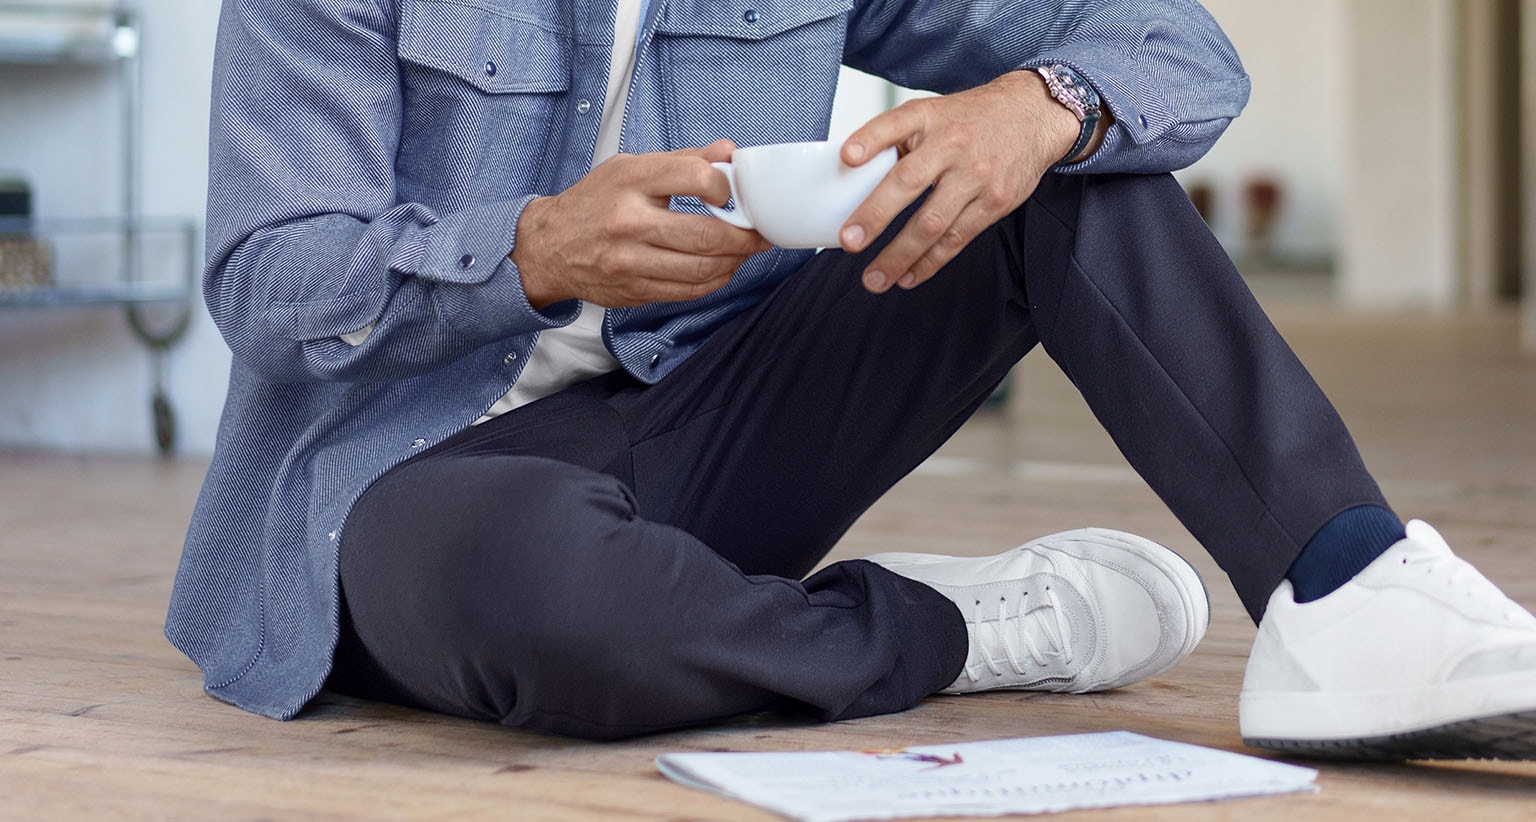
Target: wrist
1054, 128
526, 254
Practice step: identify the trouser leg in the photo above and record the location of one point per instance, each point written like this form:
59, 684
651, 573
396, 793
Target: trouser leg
1156, 328
590, 621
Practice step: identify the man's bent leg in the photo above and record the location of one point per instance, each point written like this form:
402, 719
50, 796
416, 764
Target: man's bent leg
779, 432
1274, 463
788, 424
1153, 324
525, 590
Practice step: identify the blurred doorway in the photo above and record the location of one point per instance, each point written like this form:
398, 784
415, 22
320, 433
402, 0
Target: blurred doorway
1488, 54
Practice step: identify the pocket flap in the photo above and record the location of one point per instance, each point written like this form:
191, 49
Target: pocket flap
744, 19
496, 50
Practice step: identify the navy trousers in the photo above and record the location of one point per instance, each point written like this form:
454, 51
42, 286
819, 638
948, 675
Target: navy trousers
618, 558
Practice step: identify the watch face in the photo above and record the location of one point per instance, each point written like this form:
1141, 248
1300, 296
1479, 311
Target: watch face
1070, 85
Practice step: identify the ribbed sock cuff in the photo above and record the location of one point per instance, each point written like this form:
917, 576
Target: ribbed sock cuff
1342, 548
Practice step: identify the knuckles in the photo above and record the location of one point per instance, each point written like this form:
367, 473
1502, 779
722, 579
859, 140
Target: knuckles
706, 237
623, 223
994, 200
911, 175
952, 241
932, 222
707, 271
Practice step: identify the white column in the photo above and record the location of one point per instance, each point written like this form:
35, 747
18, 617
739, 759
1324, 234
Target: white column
1528, 169
1488, 197
1399, 239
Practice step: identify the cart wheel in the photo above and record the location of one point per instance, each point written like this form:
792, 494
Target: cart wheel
165, 422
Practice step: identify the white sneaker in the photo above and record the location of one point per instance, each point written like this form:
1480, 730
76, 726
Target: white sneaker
1418, 657
1079, 611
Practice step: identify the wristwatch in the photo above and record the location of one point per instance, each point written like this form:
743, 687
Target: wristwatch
1073, 92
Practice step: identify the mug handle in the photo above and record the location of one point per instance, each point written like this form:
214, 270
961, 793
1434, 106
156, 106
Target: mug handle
737, 217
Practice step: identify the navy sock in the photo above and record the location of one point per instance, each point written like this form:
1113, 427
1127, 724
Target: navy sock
1342, 548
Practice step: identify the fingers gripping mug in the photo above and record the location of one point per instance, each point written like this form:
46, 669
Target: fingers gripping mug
798, 195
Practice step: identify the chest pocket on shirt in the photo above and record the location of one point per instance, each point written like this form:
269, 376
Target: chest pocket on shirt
494, 49
483, 86
756, 71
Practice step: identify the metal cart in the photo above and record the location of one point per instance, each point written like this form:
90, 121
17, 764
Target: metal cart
44, 259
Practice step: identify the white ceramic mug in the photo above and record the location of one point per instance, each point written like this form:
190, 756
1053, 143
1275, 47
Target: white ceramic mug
798, 195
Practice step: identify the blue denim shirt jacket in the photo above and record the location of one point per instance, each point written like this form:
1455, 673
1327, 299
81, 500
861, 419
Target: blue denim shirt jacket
370, 159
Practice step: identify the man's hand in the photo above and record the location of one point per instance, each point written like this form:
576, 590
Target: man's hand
982, 151
610, 240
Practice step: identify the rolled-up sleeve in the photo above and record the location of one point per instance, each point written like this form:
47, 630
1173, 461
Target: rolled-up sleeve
307, 238
1163, 68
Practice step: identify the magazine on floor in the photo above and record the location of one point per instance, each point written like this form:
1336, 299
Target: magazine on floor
991, 778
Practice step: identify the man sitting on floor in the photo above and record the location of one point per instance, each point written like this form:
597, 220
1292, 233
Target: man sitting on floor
516, 432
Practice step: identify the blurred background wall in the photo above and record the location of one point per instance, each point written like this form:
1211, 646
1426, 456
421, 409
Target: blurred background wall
1381, 157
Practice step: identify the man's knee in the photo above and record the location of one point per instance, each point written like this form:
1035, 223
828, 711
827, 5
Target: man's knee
468, 578
449, 538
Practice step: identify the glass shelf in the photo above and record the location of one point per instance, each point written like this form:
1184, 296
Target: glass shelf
105, 261
146, 267
65, 33
90, 295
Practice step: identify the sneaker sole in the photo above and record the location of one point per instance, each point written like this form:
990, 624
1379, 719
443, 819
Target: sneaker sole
1353, 724
1506, 737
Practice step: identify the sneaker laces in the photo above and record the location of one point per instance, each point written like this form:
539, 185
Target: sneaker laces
1043, 619
1463, 585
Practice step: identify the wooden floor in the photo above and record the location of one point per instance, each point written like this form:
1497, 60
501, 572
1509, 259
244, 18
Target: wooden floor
101, 718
